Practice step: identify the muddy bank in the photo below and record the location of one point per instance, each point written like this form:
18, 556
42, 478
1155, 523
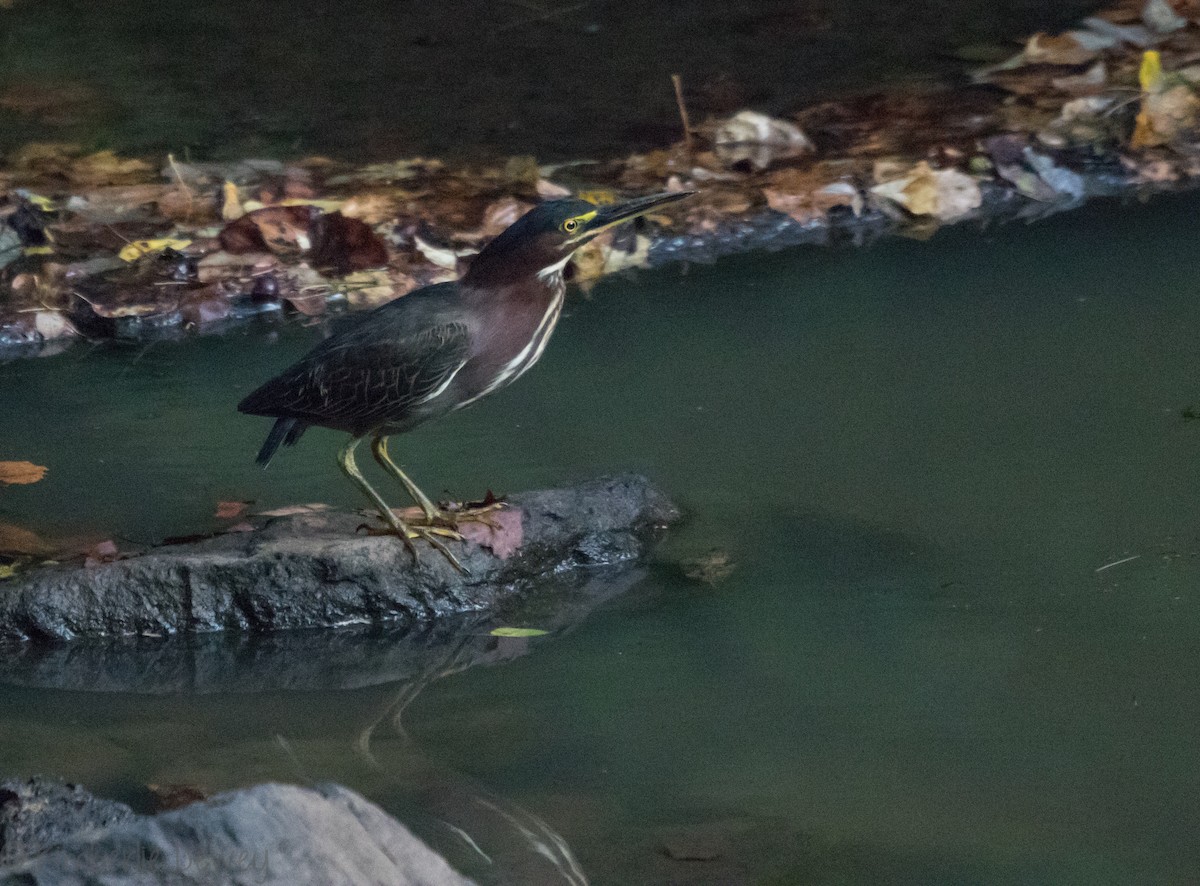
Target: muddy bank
315, 569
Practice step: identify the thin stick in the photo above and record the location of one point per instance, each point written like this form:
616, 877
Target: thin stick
683, 114
1117, 563
179, 177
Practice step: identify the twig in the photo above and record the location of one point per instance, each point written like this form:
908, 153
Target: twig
179, 175
1117, 563
683, 114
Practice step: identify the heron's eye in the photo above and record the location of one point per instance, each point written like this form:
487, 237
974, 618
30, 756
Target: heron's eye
570, 225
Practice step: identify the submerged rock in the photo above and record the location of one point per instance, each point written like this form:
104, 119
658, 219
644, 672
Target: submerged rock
314, 569
267, 834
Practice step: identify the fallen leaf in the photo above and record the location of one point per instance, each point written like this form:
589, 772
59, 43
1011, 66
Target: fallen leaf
7, 571
138, 248
228, 510
346, 244
106, 168
283, 230
1159, 16
16, 540
758, 140
1063, 49
20, 473
504, 541
945, 194
518, 632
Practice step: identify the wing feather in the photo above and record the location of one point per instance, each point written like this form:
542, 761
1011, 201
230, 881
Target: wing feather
360, 380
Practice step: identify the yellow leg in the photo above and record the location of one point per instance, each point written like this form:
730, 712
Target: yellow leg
379, 449
434, 516
403, 531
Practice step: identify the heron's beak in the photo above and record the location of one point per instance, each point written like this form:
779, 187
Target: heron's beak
614, 214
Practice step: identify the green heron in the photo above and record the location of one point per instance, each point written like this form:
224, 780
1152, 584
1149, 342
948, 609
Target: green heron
437, 349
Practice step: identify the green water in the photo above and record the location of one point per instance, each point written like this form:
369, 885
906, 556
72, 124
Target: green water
377, 79
920, 456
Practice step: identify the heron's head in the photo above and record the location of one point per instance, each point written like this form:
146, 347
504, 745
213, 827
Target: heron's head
543, 240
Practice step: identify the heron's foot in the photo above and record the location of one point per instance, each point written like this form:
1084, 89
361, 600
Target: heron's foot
408, 533
453, 515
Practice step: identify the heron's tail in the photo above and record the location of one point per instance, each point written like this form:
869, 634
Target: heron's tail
285, 432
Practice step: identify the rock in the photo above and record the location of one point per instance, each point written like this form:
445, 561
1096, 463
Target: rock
268, 834
38, 814
314, 569
349, 658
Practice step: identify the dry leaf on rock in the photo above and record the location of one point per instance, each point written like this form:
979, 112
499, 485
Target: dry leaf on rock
504, 541
757, 140
945, 194
13, 473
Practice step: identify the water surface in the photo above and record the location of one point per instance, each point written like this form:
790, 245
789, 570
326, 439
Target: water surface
922, 458
377, 79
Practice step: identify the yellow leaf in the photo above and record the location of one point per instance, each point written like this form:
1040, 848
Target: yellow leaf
231, 202
39, 250
518, 632
43, 203
135, 250
1150, 74
7, 572
14, 473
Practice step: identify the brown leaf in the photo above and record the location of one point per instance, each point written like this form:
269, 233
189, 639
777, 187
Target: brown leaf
346, 244
106, 168
229, 510
14, 473
1063, 49
280, 229
16, 540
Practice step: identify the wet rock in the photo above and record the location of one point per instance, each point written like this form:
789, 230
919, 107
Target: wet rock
271, 834
315, 660
313, 569
38, 814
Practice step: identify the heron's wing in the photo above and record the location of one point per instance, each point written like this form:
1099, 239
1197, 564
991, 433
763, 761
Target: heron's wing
360, 379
